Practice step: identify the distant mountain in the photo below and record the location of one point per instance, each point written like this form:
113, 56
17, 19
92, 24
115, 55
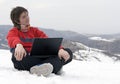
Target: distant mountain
92, 54
70, 36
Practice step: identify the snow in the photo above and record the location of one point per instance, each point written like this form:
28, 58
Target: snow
91, 55
4, 45
101, 39
76, 72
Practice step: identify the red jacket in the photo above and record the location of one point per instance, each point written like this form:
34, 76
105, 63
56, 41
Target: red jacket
16, 36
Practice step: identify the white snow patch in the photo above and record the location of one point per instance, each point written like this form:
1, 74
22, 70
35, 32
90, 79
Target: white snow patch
101, 39
4, 45
90, 55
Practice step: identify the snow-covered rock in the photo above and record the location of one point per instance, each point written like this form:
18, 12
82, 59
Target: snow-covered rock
91, 54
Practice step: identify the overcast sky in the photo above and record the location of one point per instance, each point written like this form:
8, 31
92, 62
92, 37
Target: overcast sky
83, 16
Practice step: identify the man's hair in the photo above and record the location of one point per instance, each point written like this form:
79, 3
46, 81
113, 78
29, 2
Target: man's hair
15, 15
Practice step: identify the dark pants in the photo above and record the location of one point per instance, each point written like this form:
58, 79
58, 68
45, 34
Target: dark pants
29, 61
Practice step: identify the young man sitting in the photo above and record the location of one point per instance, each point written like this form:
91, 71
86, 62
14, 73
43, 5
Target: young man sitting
20, 41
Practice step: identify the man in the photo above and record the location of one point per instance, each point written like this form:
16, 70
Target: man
20, 41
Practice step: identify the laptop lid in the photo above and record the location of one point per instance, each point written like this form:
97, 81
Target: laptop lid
46, 46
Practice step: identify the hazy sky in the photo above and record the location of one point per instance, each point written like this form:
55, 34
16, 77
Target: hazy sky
83, 16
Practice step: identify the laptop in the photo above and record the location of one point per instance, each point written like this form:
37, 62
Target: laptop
45, 47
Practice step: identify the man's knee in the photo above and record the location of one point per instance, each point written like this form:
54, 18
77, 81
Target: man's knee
70, 53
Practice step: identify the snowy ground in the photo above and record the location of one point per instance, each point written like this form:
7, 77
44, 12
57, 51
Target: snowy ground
76, 72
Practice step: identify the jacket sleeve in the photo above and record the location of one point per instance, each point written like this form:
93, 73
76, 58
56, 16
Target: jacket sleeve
41, 34
13, 39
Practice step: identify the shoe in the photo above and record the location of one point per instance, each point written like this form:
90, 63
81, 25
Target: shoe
43, 69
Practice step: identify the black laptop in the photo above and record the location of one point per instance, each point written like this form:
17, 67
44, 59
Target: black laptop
45, 47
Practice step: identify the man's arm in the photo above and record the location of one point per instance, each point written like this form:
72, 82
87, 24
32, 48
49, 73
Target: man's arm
15, 42
13, 39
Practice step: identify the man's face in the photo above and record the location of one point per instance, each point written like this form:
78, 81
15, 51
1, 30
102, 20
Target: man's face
24, 19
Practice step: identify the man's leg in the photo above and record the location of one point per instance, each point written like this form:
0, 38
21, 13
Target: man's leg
71, 56
26, 63
57, 62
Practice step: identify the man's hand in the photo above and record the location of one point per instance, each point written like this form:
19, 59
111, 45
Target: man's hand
63, 54
19, 52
